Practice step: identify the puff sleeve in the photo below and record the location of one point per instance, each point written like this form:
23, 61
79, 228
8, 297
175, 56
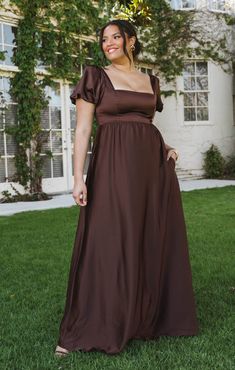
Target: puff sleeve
159, 103
88, 87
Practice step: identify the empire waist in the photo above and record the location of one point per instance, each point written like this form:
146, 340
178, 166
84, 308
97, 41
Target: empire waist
124, 120
103, 118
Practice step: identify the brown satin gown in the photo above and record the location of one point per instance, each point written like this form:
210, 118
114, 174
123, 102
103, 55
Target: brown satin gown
130, 274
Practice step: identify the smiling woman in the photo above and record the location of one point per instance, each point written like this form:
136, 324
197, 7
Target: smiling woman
130, 274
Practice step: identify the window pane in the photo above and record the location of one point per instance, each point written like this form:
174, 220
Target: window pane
5, 96
8, 55
6, 83
189, 114
9, 33
202, 114
201, 68
11, 145
55, 117
87, 48
221, 5
45, 123
189, 99
55, 96
2, 61
1, 118
1, 40
189, 83
11, 115
46, 170
56, 142
188, 4
11, 167
58, 166
45, 135
2, 151
218, 5
72, 110
2, 170
202, 83
202, 99
189, 69
72, 118
40, 65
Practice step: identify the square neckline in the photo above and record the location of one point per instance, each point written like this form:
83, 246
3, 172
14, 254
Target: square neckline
131, 91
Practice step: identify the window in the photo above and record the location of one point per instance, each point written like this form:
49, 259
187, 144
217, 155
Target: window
183, 4
195, 76
147, 70
221, 5
86, 46
52, 126
7, 42
8, 110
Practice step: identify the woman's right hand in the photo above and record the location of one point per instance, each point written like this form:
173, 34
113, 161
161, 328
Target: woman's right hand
80, 193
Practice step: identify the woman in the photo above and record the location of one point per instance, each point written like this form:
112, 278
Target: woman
130, 274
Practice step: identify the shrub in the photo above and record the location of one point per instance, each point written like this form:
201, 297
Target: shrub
18, 197
229, 170
214, 164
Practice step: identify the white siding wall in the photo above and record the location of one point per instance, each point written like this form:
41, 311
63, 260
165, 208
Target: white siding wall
193, 139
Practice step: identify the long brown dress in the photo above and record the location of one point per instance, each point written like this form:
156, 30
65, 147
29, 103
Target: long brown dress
130, 274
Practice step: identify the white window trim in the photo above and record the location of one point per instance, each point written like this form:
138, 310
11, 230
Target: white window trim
198, 123
177, 5
226, 11
8, 67
6, 156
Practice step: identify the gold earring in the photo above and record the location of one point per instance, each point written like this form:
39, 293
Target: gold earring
132, 47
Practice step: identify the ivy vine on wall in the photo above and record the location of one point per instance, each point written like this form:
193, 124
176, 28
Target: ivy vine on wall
47, 32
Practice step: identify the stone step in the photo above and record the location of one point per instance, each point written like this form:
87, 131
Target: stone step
187, 175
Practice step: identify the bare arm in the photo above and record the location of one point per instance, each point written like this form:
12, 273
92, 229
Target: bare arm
168, 147
85, 114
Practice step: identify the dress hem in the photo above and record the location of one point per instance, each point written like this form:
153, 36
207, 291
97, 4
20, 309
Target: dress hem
176, 333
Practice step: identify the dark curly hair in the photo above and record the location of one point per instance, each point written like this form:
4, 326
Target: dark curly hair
124, 27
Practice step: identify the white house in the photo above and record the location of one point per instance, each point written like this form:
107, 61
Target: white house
205, 113
190, 122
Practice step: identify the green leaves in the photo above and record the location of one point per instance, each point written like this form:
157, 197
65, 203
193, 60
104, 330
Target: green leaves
169, 36
214, 163
48, 34
137, 11
54, 34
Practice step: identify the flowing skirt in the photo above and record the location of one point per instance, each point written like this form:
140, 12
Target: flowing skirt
130, 274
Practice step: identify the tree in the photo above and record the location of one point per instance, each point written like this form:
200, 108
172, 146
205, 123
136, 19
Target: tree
171, 36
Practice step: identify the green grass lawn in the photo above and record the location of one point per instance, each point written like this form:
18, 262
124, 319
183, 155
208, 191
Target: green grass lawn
35, 255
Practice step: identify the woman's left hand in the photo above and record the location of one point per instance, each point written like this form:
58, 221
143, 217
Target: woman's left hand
172, 154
